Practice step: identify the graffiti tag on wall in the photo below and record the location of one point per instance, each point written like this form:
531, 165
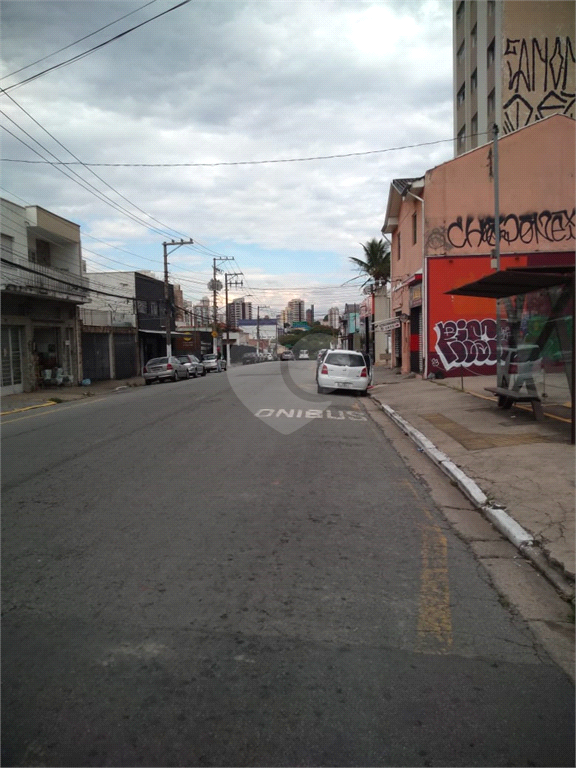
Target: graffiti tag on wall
466, 343
530, 228
540, 80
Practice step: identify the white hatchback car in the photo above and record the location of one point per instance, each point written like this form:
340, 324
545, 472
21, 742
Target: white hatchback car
344, 369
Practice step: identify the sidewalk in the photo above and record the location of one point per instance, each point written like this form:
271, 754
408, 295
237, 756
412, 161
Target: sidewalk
518, 471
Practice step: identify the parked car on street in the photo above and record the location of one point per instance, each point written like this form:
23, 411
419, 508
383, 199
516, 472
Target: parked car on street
194, 365
164, 369
249, 358
212, 362
344, 369
303, 355
287, 355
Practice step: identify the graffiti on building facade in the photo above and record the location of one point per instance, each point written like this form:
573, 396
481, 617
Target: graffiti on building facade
539, 80
529, 229
464, 343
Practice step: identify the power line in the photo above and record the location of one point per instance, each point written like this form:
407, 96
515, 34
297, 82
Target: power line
251, 162
27, 66
95, 48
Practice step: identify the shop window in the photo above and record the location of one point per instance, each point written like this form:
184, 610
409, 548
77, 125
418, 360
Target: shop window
142, 307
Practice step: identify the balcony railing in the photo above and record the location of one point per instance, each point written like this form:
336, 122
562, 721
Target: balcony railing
37, 280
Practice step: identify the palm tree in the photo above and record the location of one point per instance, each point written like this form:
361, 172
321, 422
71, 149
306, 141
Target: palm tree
376, 265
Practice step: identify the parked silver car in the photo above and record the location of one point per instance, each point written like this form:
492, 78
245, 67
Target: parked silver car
194, 365
164, 369
212, 362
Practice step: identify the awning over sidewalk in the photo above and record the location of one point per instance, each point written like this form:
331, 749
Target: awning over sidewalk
514, 281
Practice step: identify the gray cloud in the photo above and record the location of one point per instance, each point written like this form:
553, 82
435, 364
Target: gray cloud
230, 81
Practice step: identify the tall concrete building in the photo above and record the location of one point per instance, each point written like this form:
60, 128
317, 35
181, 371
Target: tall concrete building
513, 65
202, 313
239, 309
334, 317
295, 311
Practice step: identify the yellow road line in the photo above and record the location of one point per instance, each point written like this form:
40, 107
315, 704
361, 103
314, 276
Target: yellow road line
434, 617
27, 408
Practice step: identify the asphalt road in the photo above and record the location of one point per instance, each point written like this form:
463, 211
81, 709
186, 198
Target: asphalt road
235, 571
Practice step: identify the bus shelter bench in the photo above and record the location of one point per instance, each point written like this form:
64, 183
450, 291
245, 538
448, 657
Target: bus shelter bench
507, 397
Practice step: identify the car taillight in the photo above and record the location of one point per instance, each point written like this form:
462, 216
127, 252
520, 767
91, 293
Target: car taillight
324, 369
169, 367
364, 374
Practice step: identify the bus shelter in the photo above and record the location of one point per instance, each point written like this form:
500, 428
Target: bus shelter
535, 336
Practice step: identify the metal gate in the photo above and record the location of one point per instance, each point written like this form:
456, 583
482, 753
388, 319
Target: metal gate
12, 383
95, 356
125, 355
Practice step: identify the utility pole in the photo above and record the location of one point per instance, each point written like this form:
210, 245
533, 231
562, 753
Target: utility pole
235, 283
215, 285
496, 260
167, 307
260, 306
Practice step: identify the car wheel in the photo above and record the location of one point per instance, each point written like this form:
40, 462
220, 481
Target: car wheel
148, 381
175, 376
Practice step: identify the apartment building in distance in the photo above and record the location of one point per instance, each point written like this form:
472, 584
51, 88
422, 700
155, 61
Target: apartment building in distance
513, 65
202, 314
334, 317
238, 310
295, 311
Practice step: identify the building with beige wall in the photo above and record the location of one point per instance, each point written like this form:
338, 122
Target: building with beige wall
514, 64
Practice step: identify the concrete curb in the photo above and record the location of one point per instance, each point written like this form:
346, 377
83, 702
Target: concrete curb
496, 514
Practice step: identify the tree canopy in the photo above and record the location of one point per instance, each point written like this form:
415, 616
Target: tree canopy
376, 264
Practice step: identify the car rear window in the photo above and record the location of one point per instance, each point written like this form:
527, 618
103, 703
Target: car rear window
158, 361
343, 358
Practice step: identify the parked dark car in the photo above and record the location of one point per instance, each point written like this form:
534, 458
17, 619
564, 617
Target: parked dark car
249, 358
194, 365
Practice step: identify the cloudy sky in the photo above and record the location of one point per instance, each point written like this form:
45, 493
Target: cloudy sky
200, 91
